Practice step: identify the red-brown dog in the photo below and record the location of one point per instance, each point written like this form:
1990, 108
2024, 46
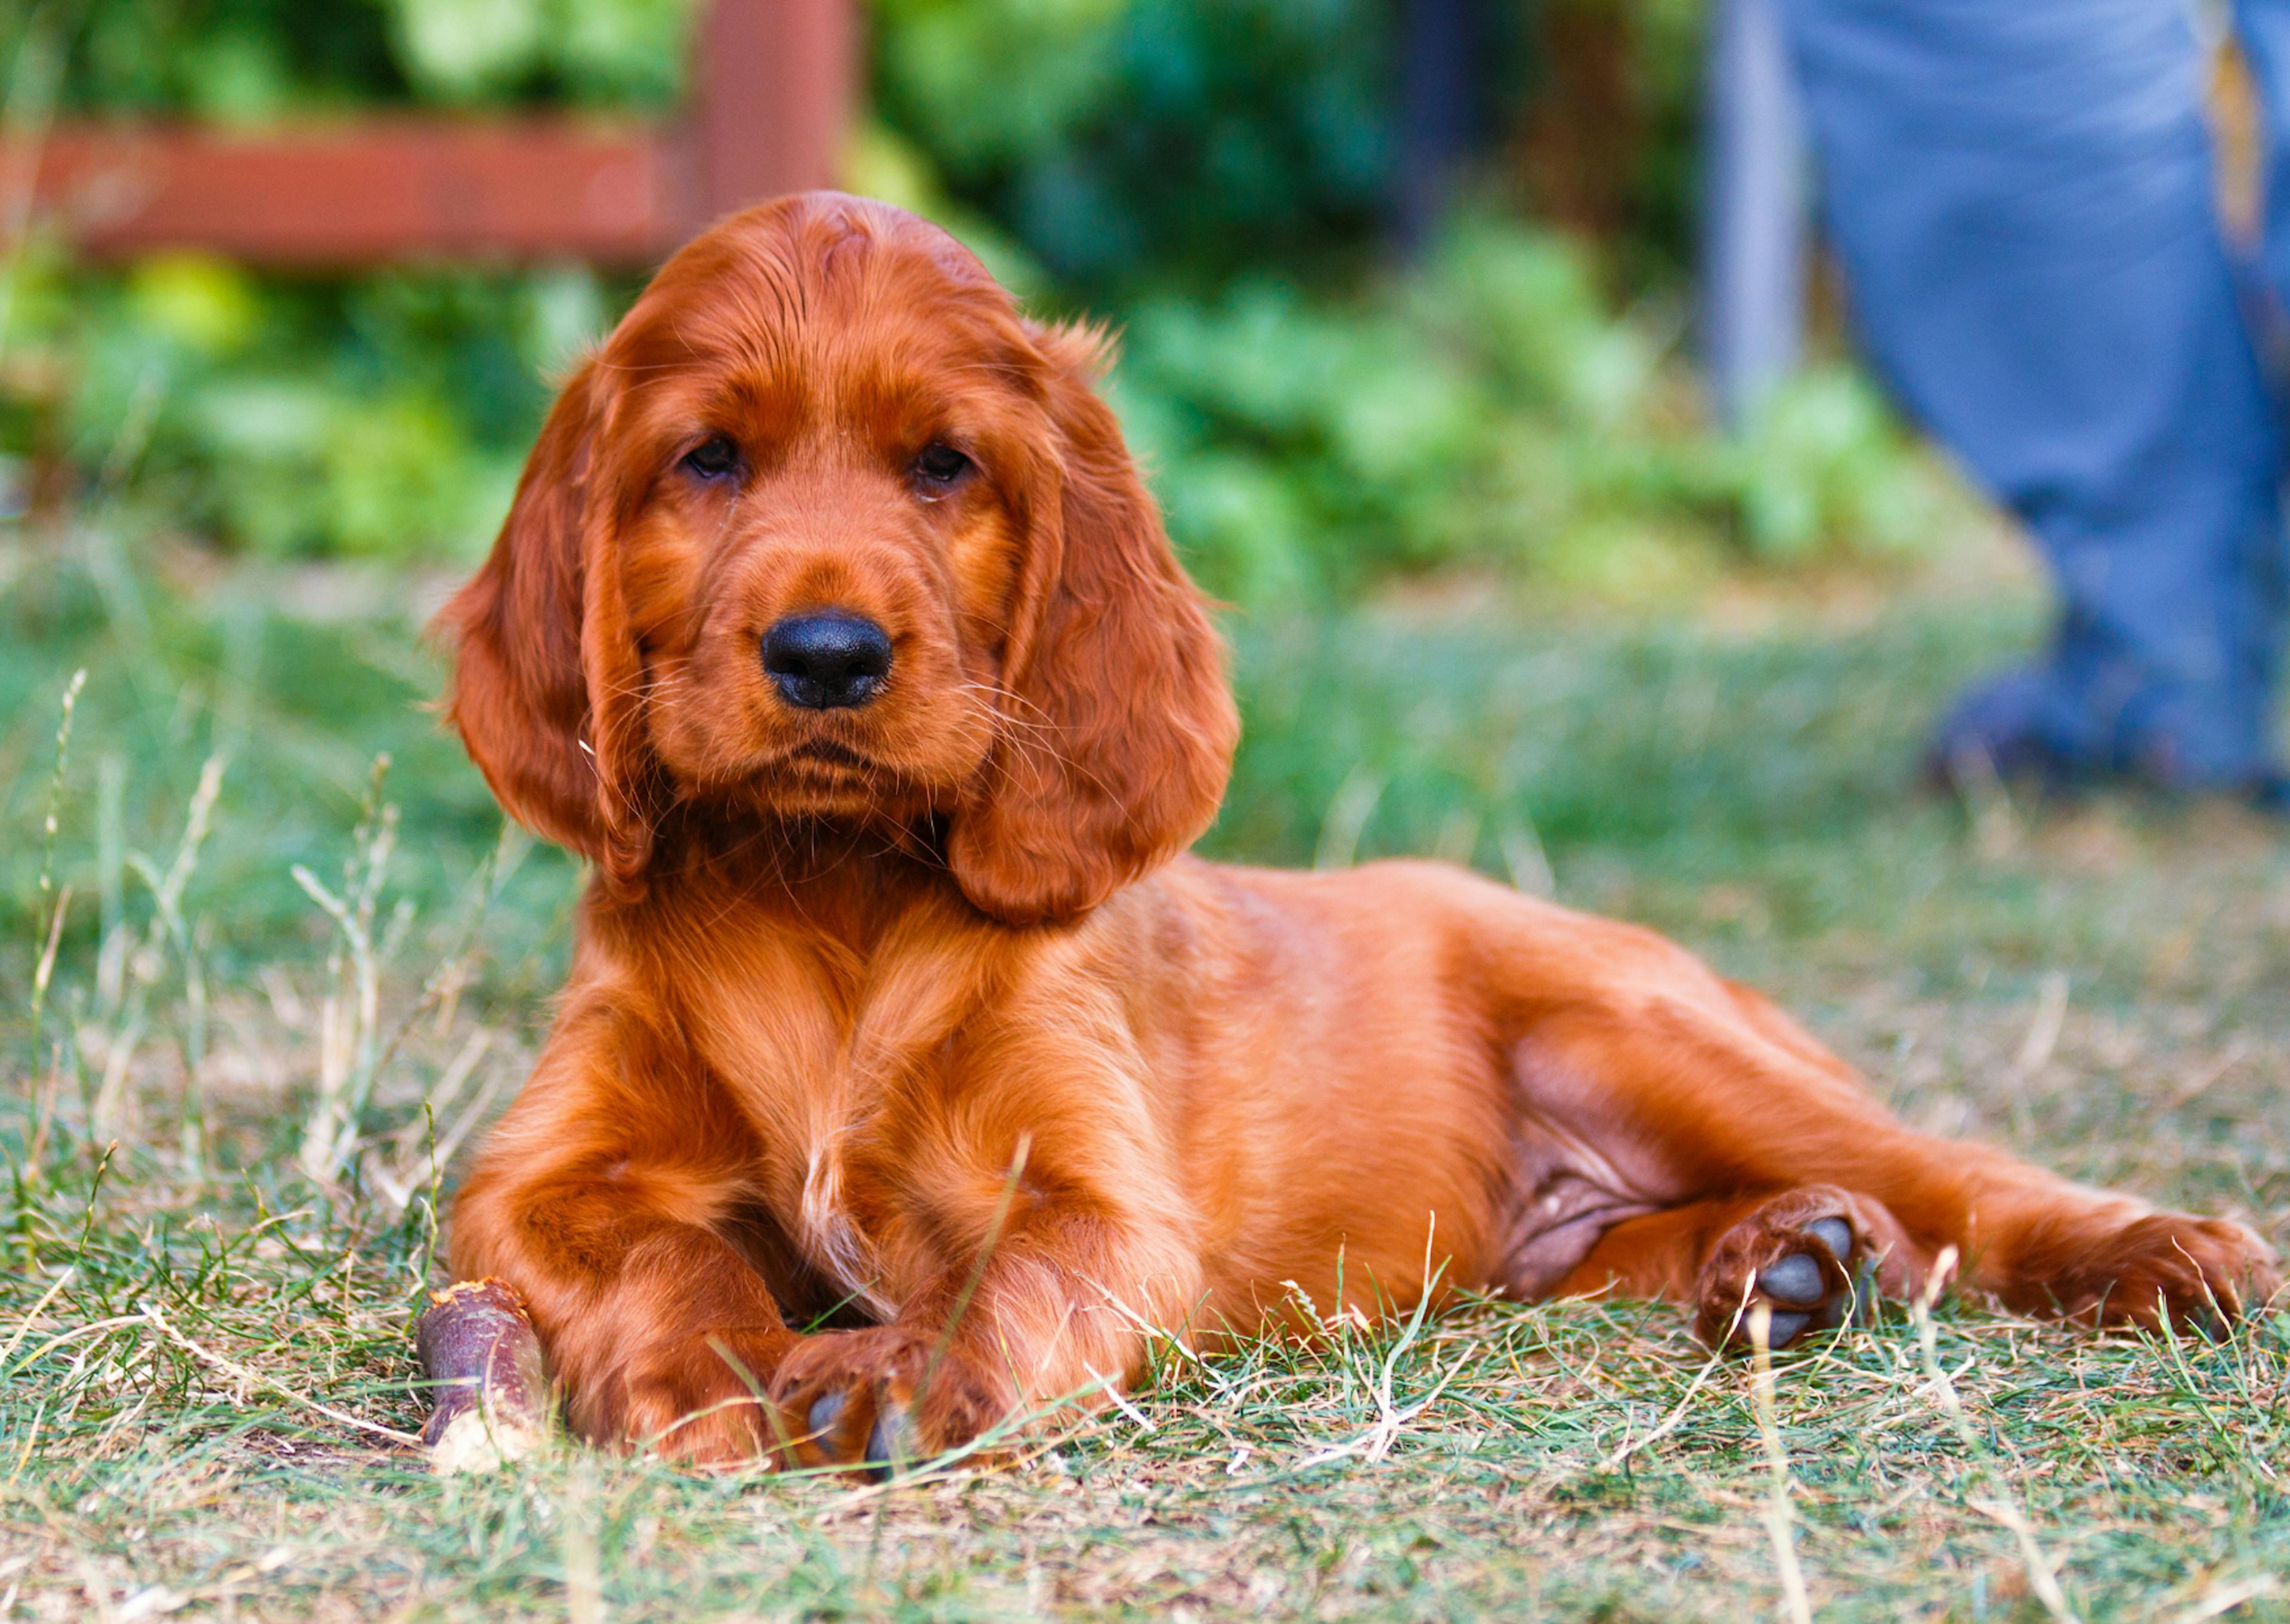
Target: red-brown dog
833, 624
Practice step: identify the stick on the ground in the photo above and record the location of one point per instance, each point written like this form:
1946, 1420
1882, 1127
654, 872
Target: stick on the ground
476, 1345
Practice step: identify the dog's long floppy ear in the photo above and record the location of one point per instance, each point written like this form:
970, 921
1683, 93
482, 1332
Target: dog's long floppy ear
1119, 726
544, 684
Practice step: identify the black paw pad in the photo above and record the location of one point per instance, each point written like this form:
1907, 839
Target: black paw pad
1834, 1233
826, 1409
1798, 1280
1782, 1329
891, 1445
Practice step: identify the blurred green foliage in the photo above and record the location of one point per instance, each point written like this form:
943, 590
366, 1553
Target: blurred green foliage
1131, 139
1315, 428
381, 417
248, 61
1485, 407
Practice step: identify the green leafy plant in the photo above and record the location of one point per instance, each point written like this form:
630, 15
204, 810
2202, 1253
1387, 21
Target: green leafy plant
250, 60
384, 417
1487, 409
1126, 139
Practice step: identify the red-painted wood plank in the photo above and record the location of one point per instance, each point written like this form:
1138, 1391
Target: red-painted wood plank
775, 80
371, 190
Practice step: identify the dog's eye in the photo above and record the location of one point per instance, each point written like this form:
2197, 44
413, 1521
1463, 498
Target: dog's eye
938, 466
714, 458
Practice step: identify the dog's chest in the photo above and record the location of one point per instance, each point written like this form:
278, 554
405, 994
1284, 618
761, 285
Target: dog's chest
836, 1065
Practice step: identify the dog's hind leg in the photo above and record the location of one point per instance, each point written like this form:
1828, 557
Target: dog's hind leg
1745, 1131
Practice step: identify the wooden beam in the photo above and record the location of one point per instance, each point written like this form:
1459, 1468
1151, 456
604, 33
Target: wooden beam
774, 82
377, 189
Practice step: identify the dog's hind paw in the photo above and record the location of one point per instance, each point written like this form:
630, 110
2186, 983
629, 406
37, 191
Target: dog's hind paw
2195, 1273
1808, 1255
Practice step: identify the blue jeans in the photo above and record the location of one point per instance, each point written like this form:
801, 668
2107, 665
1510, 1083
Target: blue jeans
2021, 192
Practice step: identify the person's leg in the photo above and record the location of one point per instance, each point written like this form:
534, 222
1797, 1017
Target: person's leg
2020, 195
2263, 28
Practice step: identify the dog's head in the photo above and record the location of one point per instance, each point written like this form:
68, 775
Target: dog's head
826, 530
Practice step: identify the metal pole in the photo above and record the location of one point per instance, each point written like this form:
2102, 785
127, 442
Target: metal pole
1753, 223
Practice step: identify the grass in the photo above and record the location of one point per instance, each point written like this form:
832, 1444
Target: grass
203, 1330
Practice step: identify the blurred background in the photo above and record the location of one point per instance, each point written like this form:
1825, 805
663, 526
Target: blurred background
1404, 288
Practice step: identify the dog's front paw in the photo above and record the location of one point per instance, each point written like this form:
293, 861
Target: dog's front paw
883, 1398
1805, 1254
699, 1404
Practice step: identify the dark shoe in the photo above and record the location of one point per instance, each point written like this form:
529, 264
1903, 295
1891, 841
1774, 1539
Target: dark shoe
2024, 727
2017, 727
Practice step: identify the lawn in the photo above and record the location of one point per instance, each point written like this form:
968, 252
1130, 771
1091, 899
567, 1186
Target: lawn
230, 1105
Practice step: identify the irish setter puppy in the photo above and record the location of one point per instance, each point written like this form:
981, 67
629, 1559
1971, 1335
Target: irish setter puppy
833, 624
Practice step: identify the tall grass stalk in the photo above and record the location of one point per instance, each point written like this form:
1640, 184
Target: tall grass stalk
349, 1020
51, 907
147, 964
1777, 1514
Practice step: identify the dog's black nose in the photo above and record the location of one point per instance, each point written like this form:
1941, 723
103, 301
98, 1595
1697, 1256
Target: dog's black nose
826, 661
